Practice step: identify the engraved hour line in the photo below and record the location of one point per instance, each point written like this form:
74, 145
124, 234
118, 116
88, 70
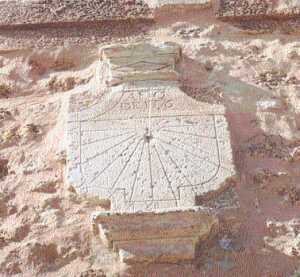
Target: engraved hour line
136, 173
180, 171
106, 150
111, 163
193, 146
186, 151
188, 145
150, 170
206, 181
165, 173
217, 141
126, 164
218, 166
188, 134
149, 153
194, 124
104, 139
149, 115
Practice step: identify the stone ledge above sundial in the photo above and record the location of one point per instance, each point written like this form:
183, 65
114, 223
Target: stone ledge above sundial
140, 62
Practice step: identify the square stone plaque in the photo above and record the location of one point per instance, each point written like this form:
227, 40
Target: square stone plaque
147, 147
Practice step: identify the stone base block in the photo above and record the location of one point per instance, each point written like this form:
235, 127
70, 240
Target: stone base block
163, 236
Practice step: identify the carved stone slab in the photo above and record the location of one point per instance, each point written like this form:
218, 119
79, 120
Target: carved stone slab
257, 9
13, 13
147, 145
148, 148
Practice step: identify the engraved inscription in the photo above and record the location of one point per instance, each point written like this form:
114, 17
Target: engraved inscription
144, 98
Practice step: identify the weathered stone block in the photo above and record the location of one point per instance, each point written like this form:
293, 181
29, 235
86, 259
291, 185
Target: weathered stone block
245, 9
169, 235
140, 62
37, 12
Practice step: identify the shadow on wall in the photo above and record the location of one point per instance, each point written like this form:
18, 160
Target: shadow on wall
203, 83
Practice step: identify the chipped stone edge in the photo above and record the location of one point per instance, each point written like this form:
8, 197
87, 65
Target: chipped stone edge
100, 219
96, 216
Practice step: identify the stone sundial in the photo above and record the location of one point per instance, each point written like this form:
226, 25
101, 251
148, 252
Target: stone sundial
144, 144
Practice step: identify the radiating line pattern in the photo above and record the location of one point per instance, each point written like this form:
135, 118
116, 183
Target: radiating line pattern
140, 169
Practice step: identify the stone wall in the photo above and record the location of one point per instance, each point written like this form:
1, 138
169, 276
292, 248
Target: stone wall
258, 8
65, 13
55, 11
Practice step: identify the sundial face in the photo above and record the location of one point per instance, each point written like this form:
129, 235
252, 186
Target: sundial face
148, 147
